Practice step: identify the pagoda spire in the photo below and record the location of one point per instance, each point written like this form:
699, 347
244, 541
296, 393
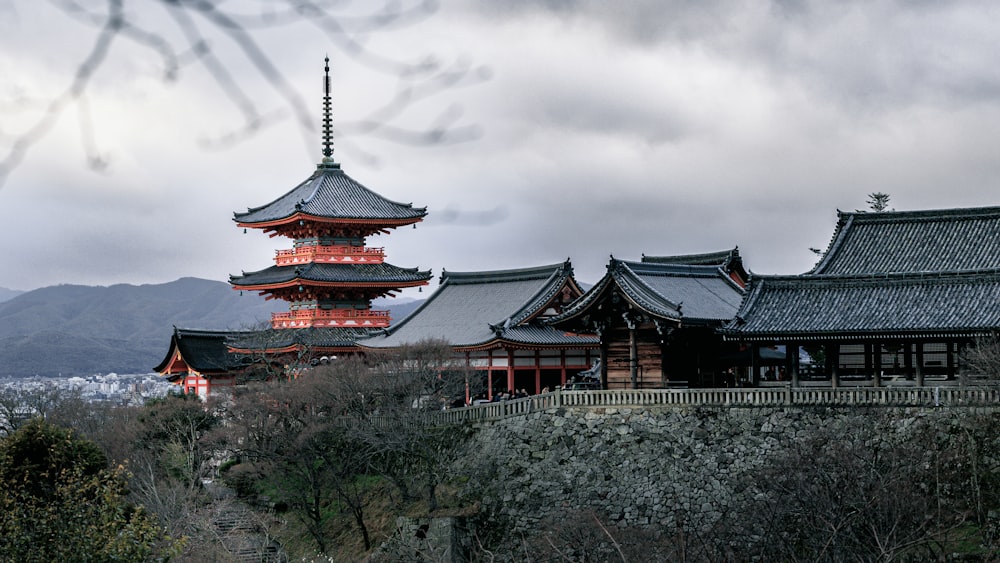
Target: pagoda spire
327, 120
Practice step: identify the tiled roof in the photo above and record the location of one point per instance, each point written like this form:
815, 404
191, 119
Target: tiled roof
474, 308
332, 194
332, 273
540, 335
913, 241
729, 260
203, 350
703, 259
666, 290
272, 339
817, 306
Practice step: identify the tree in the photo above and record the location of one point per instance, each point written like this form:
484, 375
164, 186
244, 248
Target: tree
392, 416
169, 455
19, 405
856, 493
983, 358
219, 37
59, 501
257, 344
321, 445
878, 201
294, 449
174, 428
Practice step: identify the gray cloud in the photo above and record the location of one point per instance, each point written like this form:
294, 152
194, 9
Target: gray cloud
607, 128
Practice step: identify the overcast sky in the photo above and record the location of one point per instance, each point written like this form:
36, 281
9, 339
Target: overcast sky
582, 129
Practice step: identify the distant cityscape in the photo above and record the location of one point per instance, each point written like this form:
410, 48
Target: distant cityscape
121, 389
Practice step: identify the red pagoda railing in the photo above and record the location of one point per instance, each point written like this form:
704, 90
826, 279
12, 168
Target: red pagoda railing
325, 318
317, 253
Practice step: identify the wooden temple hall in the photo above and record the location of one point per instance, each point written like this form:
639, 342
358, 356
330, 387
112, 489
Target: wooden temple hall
895, 298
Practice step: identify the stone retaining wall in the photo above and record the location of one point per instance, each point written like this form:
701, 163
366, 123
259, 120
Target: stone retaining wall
664, 467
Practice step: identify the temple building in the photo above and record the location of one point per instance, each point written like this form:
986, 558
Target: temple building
896, 297
198, 360
495, 320
329, 277
657, 320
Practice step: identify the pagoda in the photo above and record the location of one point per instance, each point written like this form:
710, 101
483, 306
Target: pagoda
329, 276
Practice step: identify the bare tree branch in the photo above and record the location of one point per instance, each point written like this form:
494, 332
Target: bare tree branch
84, 73
201, 22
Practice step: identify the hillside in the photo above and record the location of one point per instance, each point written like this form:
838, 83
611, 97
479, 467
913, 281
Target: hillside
79, 330
8, 294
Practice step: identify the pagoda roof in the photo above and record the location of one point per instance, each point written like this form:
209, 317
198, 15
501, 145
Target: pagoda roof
356, 275
203, 351
903, 305
679, 292
286, 339
940, 240
480, 309
331, 194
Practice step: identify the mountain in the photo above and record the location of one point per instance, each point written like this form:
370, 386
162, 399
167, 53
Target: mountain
80, 330
8, 294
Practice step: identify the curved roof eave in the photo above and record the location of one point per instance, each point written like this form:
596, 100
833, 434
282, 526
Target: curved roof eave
330, 193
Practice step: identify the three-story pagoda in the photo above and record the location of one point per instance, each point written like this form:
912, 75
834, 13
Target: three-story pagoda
329, 275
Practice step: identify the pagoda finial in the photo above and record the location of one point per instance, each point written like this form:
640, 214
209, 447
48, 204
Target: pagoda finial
327, 118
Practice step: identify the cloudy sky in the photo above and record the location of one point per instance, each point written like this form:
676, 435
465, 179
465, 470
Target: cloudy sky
533, 131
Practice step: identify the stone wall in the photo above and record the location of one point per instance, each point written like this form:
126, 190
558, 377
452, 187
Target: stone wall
666, 467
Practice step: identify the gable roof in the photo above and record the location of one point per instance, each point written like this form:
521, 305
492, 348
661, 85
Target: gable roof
941, 240
330, 193
885, 306
473, 309
203, 351
683, 293
729, 260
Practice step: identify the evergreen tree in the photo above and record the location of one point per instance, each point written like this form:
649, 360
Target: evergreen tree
60, 501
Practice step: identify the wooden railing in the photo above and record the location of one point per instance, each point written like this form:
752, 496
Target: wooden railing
756, 397
301, 318
329, 253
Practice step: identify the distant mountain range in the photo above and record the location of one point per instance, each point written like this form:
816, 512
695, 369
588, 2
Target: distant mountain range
80, 330
8, 294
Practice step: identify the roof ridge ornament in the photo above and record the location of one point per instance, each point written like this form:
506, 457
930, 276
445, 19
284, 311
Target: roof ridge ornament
328, 161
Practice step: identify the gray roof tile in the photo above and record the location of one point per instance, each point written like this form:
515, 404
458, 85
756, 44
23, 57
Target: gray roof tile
890, 304
913, 241
310, 337
331, 193
474, 308
203, 350
686, 293
332, 273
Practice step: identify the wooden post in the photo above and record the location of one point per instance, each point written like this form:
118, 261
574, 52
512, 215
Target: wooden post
908, 360
633, 357
792, 357
951, 360
920, 364
833, 360
877, 364
510, 369
604, 363
755, 364
868, 359
664, 375
538, 372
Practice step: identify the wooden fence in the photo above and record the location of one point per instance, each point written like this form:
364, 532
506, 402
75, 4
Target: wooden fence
754, 397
